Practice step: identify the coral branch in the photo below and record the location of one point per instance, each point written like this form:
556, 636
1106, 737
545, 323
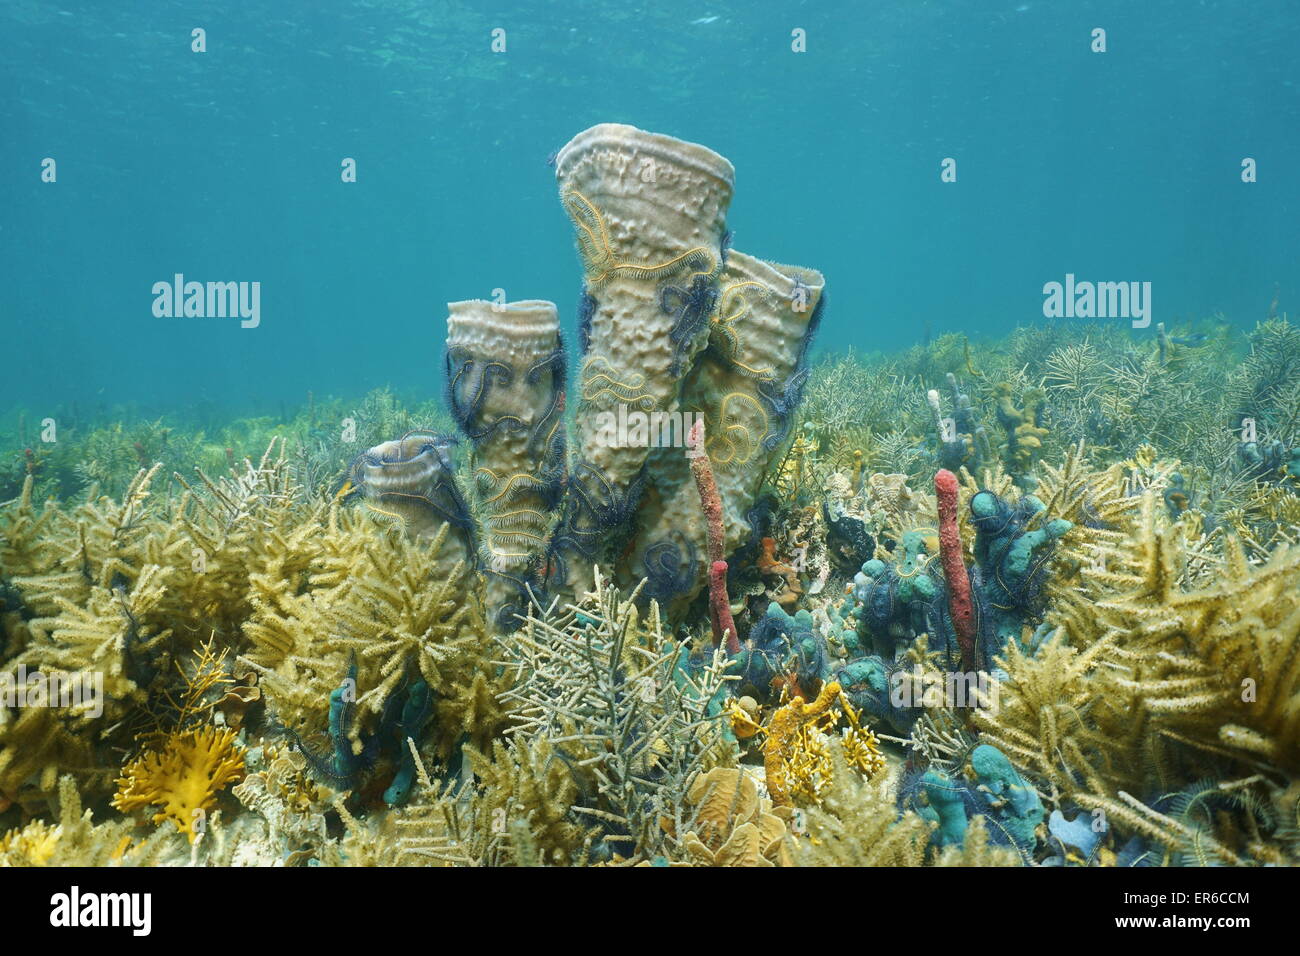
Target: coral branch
954, 567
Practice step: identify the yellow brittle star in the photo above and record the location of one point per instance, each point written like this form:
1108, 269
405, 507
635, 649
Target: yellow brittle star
489, 481
597, 384
737, 436
723, 330
598, 255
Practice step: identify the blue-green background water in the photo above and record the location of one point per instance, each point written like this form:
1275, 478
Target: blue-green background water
225, 166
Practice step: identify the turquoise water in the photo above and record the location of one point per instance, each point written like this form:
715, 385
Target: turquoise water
225, 166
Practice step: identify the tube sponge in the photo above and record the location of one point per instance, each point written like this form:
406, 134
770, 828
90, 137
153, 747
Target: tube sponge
505, 383
951, 559
747, 385
411, 481
649, 212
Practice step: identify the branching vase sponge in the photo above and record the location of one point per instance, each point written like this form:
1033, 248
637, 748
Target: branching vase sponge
747, 385
649, 212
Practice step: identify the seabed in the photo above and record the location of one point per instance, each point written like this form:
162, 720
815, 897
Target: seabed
1029, 601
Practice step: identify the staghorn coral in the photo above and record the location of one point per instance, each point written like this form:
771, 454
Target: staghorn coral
622, 710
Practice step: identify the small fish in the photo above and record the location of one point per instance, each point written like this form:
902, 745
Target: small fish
703, 20
1194, 339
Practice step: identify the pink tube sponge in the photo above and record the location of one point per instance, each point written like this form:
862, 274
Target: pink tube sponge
724, 626
954, 567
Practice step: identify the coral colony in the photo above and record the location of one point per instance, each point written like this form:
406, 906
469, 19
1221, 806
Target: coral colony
669, 594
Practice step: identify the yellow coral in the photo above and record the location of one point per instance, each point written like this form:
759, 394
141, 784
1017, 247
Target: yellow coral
124, 587
861, 748
34, 845
73, 840
387, 613
1024, 435
794, 468
858, 823
797, 760
1172, 660
184, 779
743, 714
